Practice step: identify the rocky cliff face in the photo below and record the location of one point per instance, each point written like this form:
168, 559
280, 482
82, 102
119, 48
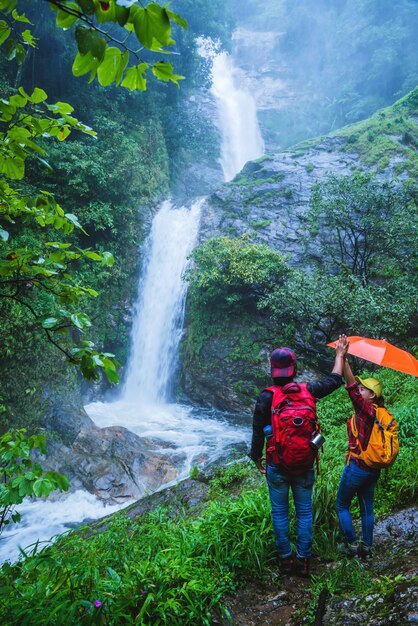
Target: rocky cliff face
268, 200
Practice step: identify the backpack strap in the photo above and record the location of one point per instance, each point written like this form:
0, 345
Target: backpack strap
278, 395
354, 430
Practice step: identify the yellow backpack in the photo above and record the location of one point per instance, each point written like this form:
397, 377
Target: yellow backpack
383, 446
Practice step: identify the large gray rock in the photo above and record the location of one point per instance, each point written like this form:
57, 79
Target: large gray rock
64, 416
113, 463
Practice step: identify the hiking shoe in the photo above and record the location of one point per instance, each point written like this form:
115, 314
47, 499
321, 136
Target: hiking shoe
302, 566
364, 551
349, 549
286, 565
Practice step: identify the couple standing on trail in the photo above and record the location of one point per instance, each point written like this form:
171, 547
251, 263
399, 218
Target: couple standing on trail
282, 414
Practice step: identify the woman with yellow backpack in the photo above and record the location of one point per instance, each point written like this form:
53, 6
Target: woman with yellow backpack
372, 445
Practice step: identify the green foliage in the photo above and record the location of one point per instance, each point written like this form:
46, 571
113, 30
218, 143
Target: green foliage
229, 280
390, 133
363, 234
95, 24
234, 475
155, 570
230, 273
25, 122
321, 306
43, 265
366, 227
111, 183
20, 476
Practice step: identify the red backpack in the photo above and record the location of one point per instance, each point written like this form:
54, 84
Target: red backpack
294, 424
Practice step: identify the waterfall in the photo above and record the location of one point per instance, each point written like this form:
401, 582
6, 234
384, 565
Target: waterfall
158, 319
237, 116
186, 434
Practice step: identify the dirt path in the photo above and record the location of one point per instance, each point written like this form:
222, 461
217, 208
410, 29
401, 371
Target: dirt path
282, 602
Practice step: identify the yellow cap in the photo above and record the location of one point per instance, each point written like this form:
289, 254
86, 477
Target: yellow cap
371, 383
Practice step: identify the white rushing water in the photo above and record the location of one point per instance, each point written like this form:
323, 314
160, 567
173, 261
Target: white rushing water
43, 519
189, 435
158, 319
237, 116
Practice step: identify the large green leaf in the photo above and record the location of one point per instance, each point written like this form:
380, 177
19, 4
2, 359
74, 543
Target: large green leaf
123, 62
177, 19
15, 50
42, 487
4, 31
108, 68
152, 23
66, 20
29, 38
50, 322
20, 18
38, 95
122, 15
87, 6
59, 480
134, 78
80, 320
164, 71
89, 40
12, 167
83, 63
108, 259
7, 5
105, 11
18, 101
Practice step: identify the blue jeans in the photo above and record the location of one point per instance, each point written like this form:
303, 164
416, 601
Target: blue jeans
301, 486
361, 483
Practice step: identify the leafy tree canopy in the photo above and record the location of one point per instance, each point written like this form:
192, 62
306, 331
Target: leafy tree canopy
227, 272
43, 265
365, 226
113, 38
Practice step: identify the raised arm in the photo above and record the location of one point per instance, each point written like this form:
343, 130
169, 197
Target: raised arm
348, 374
340, 354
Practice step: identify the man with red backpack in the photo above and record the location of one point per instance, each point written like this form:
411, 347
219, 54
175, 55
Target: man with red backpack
285, 415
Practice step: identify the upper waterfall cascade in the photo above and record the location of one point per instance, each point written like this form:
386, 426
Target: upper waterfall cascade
237, 117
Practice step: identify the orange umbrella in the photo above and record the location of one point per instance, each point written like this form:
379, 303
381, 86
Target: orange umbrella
383, 353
